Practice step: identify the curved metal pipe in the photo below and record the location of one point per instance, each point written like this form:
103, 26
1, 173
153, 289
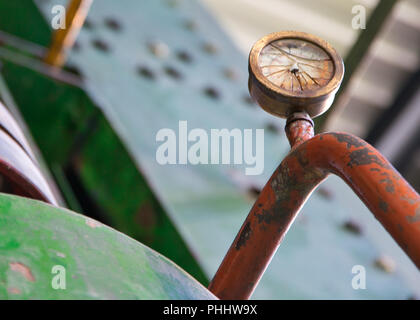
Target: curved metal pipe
391, 199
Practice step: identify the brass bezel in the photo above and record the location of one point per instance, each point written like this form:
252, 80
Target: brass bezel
281, 102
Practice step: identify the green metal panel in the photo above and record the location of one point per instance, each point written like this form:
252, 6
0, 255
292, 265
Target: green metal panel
99, 262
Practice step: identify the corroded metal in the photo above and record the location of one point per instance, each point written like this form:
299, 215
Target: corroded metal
299, 128
391, 199
294, 71
63, 39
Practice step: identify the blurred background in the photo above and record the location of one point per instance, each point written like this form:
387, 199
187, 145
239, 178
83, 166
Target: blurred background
139, 66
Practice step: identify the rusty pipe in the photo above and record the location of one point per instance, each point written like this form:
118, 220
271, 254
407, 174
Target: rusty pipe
388, 196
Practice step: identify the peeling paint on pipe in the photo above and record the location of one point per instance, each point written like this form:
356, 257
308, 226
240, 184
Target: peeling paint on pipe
388, 196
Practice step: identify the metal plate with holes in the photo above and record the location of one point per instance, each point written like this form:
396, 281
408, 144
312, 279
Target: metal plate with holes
169, 61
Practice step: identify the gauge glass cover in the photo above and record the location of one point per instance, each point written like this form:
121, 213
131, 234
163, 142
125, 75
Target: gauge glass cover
296, 65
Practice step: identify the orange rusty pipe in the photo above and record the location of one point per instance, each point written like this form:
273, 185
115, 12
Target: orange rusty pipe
299, 128
391, 199
63, 39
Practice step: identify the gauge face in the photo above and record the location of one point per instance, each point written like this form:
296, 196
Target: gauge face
291, 71
296, 65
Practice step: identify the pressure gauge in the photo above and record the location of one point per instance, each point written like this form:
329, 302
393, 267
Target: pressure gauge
293, 72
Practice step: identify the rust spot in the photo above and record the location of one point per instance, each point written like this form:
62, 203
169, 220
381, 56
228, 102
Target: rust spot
409, 200
289, 190
415, 218
363, 157
244, 236
92, 223
383, 205
276, 214
389, 185
14, 291
302, 157
351, 141
23, 270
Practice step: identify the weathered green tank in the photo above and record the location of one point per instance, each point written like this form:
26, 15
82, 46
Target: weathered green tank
52, 253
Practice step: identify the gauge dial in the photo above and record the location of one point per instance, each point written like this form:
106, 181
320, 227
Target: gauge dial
296, 65
294, 72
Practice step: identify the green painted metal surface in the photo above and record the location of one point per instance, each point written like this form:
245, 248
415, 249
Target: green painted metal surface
98, 262
208, 203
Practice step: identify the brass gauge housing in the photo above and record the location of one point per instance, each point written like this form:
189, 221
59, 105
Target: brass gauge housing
293, 72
